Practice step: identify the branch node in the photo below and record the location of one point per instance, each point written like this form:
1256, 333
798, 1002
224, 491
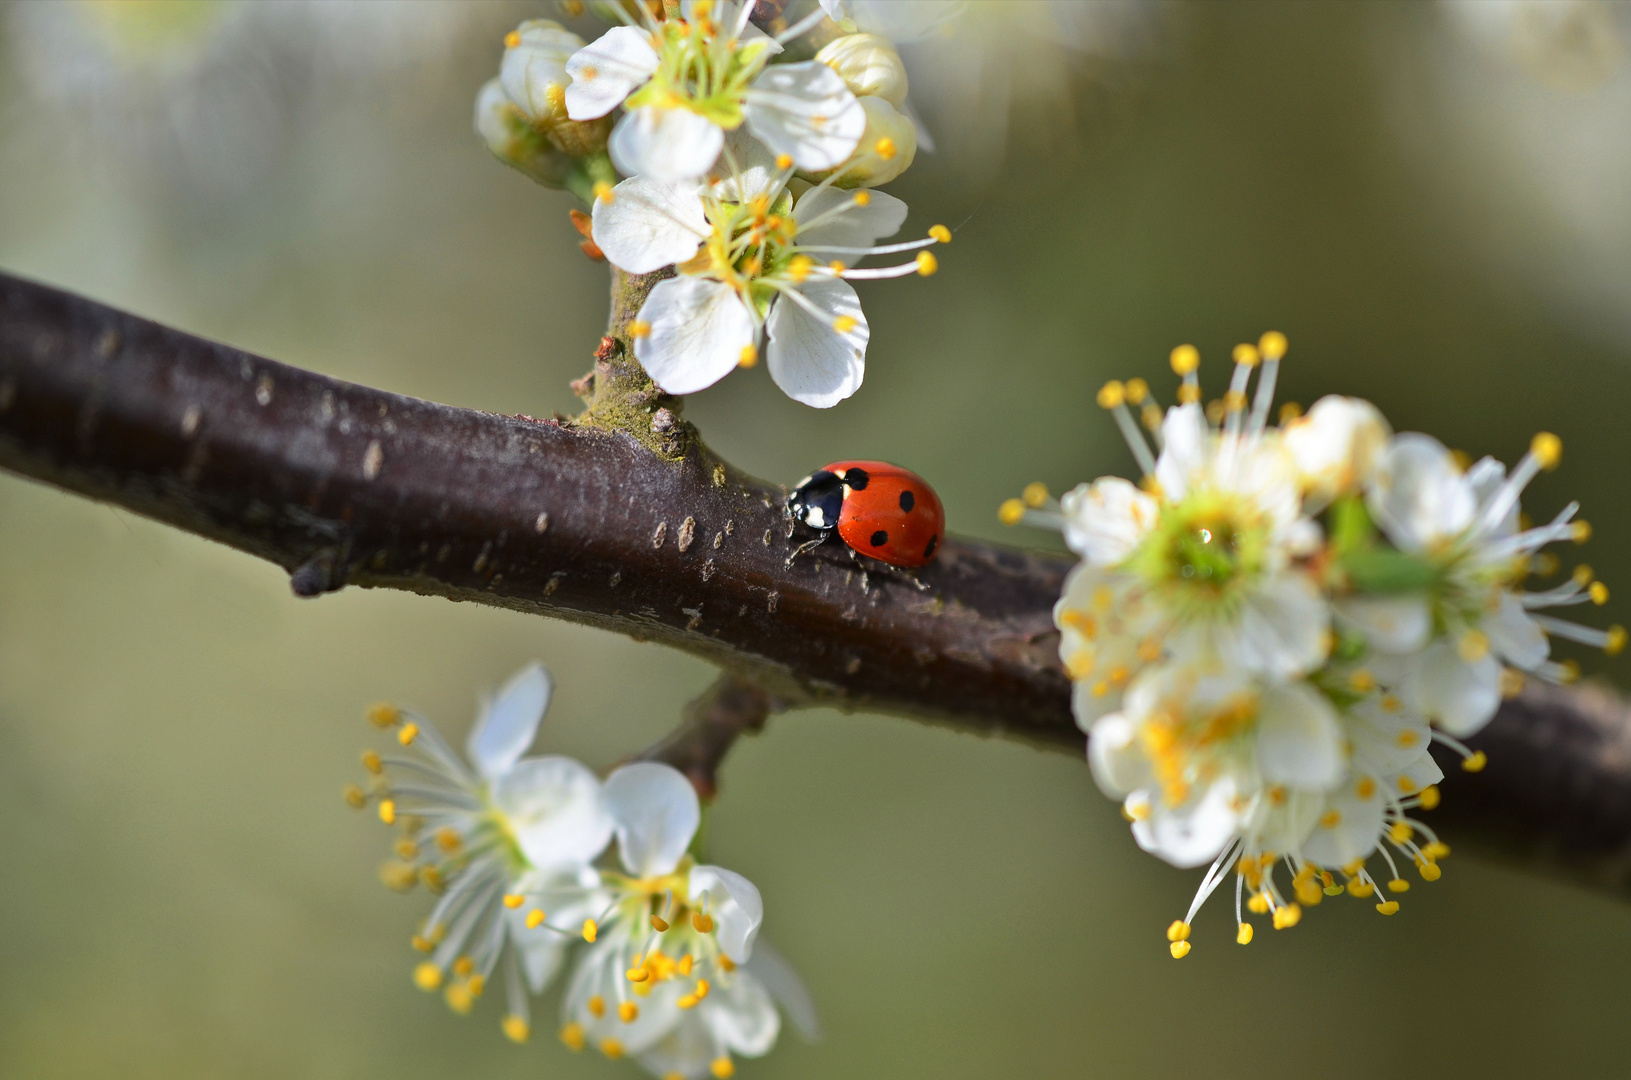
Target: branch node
318, 575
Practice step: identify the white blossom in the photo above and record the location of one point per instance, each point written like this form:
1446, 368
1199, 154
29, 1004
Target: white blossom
684, 83
760, 266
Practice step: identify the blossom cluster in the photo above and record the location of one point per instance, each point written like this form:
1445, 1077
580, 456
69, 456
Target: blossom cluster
751, 174
1267, 633
515, 849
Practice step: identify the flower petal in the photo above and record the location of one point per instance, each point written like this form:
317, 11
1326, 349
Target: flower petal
743, 1017
1458, 696
811, 360
554, 807
648, 224
786, 988
1191, 834
805, 110
734, 903
1515, 637
656, 813
601, 972
1116, 757
1394, 624
699, 328
569, 899
1418, 495
665, 143
1184, 436
1106, 520
1299, 739
509, 721
604, 73
1283, 630
537, 62
754, 173
1335, 447
688, 1049
1350, 823
856, 225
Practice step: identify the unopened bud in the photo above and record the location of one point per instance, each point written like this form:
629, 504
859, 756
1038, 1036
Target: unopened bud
868, 167
514, 141
869, 66
534, 62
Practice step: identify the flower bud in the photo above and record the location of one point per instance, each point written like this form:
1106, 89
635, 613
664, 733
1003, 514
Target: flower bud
514, 141
869, 66
534, 69
886, 148
1336, 447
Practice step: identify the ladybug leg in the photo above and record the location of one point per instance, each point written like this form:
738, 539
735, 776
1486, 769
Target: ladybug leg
808, 545
860, 564
911, 575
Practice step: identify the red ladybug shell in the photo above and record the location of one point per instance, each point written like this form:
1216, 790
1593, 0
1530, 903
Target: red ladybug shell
895, 518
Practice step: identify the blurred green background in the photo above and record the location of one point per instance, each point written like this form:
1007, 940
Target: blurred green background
1435, 224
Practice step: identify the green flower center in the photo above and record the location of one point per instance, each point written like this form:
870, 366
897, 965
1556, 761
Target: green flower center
1204, 550
697, 69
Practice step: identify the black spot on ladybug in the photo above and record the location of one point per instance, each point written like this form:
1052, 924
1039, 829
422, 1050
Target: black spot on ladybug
907, 501
856, 479
880, 538
928, 551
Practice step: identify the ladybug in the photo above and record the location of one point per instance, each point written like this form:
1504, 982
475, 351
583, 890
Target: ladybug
880, 510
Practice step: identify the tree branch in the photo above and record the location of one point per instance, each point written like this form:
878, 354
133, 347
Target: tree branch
624, 520
728, 709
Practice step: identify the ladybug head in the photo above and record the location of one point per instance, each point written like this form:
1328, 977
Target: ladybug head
816, 500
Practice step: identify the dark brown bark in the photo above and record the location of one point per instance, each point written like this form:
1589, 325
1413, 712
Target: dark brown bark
727, 710
623, 519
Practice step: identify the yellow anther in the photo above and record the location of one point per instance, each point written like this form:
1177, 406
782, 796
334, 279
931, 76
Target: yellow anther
432, 878
1616, 640
1243, 936
1185, 359
1289, 412
837, 267
448, 839
702, 922
1544, 564
612, 1048
535, 918
408, 733
516, 1029
1214, 411
589, 930
355, 798
1272, 345
784, 161
1570, 672
383, 714
597, 1006
427, 976
844, 323
1309, 894
458, 997
1580, 531
1473, 646
572, 1036
1178, 931
1362, 680
1189, 394
1400, 832
1429, 797
639, 328
1547, 448
1511, 682
422, 943
1398, 885
1475, 763
514, 900
684, 966
1234, 401
723, 1068
940, 234
700, 989
1582, 575
1246, 354
1331, 819
1035, 494
1112, 394
862, 197
1366, 787
659, 924
477, 984
1011, 512
1462, 459
1360, 888
387, 811
1180, 949
1137, 391
406, 849
639, 973
687, 1001
1258, 904
926, 263
603, 192
512, 39
884, 148
463, 966
371, 761
1388, 907
1598, 593
399, 876
1428, 871
798, 268
628, 1012
1287, 915
555, 94
748, 356
1436, 850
